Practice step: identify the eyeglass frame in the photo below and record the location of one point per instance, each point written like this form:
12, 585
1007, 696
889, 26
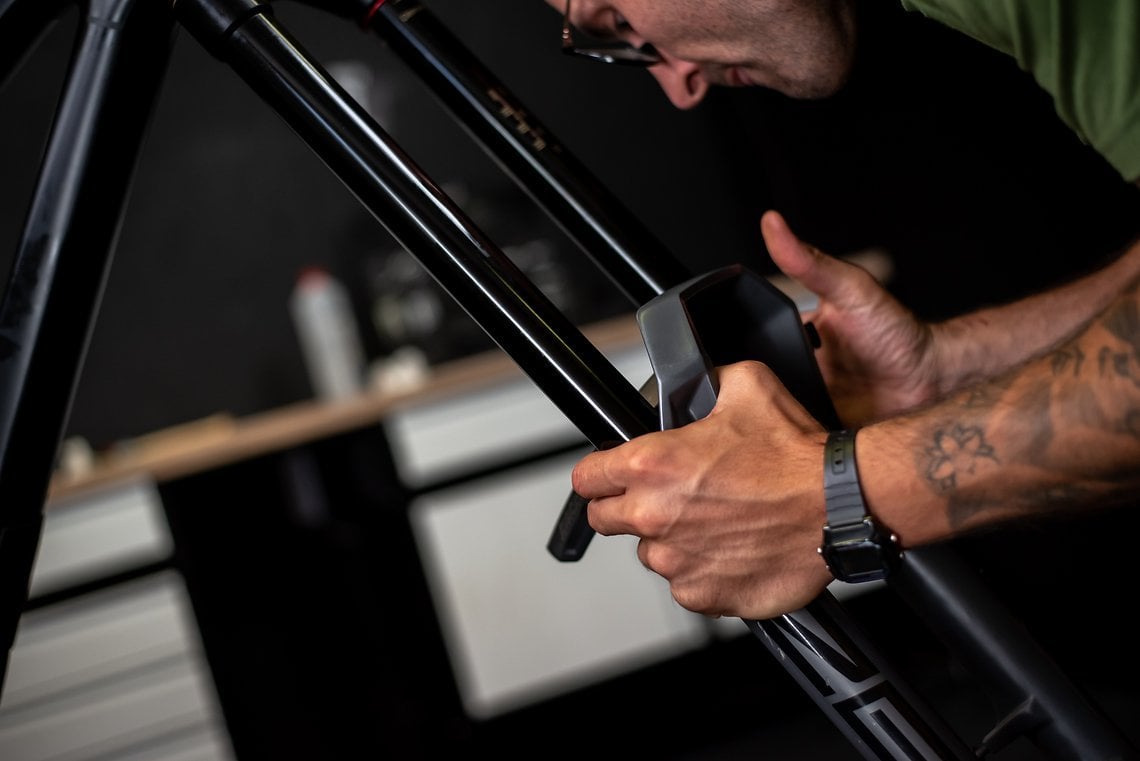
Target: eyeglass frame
621, 53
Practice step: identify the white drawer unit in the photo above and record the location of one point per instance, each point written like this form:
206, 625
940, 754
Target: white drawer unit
460, 433
100, 534
519, 625
114, 673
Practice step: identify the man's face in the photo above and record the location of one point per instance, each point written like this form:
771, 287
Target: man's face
803, 48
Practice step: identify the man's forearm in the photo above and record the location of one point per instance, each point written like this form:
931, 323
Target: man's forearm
985, 343
1059, 432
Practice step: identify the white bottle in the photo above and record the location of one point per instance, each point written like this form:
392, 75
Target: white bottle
328, 334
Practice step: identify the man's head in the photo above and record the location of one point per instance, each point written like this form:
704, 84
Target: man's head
803, 48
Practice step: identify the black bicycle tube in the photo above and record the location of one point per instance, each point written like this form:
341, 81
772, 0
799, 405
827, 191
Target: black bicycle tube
580, 382
975, 626
62, 260
621, 246
578, 378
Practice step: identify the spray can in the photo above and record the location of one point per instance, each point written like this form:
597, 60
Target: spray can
328, 334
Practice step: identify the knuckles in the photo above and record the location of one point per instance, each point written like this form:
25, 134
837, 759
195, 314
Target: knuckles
696, 598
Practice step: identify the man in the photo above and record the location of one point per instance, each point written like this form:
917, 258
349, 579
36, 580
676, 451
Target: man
999, 415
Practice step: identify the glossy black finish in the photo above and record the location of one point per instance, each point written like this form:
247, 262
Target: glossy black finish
578, 378
1044, 705
733, 314
623, 248
583, 207
62, 258
584, 386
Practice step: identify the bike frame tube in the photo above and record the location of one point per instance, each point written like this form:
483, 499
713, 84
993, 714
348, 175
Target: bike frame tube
48, 308
584, 208
934, 580
1050, 710
579, 380
64, 253
625, 250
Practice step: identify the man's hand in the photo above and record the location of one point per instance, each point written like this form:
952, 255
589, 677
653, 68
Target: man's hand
729, 509
876, 358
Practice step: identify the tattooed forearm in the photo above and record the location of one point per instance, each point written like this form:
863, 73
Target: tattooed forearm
1038, 422
956, 452
1119, 364
1057, 495
982, 397
1123, 321
986, 395
963, 506
1067, 357
1061, 430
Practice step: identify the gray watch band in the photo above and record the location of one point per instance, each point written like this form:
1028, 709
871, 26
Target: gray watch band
842, 494
855, 547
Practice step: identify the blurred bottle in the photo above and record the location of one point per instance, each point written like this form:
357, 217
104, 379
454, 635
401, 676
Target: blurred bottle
328, 334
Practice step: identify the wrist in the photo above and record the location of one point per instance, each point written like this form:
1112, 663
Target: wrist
949, 364
894, 486
856, 546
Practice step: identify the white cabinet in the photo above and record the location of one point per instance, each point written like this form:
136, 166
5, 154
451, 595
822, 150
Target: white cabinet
519, 625
114, 673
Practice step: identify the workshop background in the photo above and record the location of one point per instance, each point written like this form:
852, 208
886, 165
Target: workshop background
940, 155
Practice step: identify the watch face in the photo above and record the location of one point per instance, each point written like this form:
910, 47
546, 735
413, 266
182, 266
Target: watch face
859, 561
858, 552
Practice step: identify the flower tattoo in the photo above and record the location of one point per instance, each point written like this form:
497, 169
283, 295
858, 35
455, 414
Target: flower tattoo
956, 451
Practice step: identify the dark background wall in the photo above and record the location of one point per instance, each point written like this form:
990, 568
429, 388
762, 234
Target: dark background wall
939, 152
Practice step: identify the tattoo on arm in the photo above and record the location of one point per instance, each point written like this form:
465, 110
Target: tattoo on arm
1093, 398
956, 451
1123, 321
1066, 357
987, 395
1116, 363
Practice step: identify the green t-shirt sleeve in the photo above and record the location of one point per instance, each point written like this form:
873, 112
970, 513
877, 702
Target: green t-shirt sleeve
1086, 53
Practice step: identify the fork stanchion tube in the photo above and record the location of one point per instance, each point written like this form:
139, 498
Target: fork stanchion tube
578, 378
971, 621
618, 242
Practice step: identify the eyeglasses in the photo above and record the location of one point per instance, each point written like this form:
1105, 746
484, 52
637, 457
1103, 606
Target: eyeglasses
606, 51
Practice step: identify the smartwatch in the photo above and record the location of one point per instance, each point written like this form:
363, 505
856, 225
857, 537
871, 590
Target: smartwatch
856, 547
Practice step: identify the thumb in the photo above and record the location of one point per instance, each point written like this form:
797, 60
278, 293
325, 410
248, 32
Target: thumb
805, 264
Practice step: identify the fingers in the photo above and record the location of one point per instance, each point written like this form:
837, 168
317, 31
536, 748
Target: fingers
825, 276
658, 460
744, 378
595, 479
593, 476
794, 257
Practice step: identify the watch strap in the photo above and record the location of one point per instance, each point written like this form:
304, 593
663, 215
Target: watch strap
842, 494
